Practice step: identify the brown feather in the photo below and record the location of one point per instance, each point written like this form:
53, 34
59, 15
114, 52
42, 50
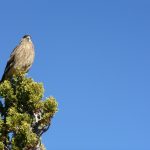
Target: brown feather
21, 59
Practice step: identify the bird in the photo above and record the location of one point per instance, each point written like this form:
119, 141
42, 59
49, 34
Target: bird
21, 58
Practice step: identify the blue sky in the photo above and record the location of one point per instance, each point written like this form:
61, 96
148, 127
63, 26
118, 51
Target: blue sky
94, 57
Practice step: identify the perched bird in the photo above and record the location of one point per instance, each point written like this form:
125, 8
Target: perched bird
20, 59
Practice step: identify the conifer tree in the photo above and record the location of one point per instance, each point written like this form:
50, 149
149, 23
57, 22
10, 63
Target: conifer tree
24, 115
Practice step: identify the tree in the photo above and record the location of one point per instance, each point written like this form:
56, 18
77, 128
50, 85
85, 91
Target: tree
24, 115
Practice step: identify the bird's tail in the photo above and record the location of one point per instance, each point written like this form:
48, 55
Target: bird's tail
3, 78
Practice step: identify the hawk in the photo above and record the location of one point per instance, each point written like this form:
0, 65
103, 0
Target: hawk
20, 59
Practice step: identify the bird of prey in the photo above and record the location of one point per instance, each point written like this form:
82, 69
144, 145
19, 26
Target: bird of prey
20, 59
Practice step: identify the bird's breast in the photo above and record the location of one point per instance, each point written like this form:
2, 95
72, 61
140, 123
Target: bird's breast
25, 55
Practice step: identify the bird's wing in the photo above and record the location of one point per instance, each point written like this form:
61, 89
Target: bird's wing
10, 63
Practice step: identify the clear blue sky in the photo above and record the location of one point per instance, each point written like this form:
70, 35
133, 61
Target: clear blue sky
94, 57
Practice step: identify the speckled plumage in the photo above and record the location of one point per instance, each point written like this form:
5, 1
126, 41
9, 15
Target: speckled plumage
21, 58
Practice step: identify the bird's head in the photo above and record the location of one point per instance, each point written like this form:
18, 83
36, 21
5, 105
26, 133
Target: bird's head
26, 38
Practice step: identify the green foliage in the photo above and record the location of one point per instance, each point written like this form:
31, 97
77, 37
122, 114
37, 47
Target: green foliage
25, 116
1, 145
